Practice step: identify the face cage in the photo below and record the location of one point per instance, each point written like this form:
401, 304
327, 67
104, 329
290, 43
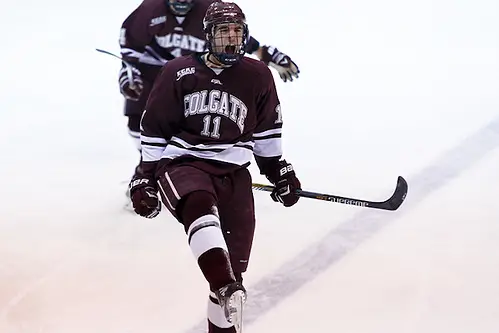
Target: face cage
180, 8
227, 58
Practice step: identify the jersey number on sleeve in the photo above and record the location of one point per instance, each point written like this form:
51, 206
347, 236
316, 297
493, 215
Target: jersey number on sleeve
279, 114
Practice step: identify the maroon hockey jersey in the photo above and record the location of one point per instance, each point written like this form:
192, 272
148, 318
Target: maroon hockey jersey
151, 35
217, 118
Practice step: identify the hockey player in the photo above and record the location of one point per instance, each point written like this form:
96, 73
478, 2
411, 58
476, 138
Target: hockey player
208, 114
161, 30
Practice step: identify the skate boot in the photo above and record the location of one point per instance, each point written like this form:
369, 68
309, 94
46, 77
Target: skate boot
231, 298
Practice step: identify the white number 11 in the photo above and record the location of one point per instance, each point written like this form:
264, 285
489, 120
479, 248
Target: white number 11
206, 127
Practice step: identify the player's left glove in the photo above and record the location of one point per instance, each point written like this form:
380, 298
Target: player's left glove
286, 184
286, 67
144, 195
131, 84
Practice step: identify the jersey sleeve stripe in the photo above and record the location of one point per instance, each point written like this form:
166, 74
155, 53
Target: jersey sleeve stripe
268, 132
268, 147
272, 136
151, 139
152, 153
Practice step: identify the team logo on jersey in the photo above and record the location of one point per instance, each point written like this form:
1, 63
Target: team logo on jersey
157, 20
185, 42
218, 103
216, 81
185, 71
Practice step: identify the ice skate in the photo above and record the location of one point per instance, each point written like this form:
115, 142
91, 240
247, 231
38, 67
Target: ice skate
232, 298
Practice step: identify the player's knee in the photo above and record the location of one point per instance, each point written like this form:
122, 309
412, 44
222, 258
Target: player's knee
195, 205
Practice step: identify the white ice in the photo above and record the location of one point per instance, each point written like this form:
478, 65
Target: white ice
387, 88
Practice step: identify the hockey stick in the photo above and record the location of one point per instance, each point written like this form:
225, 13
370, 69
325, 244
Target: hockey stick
128, 67
393, 203
114, 55
155, 54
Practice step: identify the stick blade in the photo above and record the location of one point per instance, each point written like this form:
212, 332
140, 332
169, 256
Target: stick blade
399, 195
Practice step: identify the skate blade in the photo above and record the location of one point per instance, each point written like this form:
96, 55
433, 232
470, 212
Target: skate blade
236, 302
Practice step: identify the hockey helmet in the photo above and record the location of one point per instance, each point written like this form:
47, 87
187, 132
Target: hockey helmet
226, 32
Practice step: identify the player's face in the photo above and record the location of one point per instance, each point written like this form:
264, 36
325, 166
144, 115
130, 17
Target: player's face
228, 38
180, 7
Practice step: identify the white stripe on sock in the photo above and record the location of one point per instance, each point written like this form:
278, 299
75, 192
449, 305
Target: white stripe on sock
206, 238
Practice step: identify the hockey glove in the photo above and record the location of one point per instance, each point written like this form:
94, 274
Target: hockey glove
144, 197
131, 83
286, 68
286, 184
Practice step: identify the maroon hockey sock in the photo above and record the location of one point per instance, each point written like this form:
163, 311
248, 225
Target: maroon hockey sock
216, 268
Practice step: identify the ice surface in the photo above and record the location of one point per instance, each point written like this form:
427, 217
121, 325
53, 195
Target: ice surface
387, 88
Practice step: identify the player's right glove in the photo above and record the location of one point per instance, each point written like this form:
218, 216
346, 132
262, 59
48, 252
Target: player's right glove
131, 83
286, 184
144, 196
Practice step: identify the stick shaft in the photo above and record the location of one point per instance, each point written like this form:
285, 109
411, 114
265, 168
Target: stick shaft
390, 204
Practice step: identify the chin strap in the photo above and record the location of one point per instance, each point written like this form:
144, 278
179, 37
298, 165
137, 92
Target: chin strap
209, 58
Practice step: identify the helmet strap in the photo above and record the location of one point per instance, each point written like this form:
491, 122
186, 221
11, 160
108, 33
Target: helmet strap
212, 61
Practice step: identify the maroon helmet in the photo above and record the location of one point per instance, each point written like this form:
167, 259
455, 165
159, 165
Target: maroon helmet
226, 31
